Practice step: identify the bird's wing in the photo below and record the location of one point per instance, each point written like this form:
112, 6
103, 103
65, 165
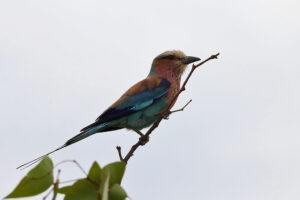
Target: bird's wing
138, 97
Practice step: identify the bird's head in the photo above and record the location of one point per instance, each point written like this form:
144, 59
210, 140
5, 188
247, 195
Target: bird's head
171, 61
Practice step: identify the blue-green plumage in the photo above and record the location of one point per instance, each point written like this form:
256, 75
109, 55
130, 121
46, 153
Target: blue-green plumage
132, 112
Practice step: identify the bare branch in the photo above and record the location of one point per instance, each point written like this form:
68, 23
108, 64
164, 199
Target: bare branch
72, 161
55, 185
181, 109
144, 139
50, 191
120, 153
58, 173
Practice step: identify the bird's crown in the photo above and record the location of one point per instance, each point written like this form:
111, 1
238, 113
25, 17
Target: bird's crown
171, 55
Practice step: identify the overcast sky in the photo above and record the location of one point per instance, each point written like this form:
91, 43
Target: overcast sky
63, 62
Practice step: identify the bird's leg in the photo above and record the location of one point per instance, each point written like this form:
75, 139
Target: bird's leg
144, 138
165, 114
139, 132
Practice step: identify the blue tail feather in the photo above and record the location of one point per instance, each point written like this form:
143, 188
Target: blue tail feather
86, 133
100, 128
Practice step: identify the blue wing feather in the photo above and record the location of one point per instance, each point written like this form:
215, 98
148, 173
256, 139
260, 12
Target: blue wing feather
132, 104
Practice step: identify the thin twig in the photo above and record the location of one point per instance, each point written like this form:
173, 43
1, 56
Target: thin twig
80, 167
73, 161
120, 153
46, 196
58, 173
141, 142
181, 109
55, 185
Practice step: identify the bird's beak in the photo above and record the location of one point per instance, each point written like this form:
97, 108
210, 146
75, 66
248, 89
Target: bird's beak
189, 59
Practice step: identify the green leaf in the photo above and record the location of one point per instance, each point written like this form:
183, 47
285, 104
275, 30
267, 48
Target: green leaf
116, 171
80, 190
105, 187
64, 190
116, 192
36, 181
95, 173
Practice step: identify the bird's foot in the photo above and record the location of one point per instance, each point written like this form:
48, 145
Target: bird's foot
165, 115
144, 139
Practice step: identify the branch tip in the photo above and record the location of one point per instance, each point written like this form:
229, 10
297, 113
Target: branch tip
120, 153
181, 109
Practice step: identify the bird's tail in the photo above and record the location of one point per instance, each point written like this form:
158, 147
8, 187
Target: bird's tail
28, 164
86, 133
73, 140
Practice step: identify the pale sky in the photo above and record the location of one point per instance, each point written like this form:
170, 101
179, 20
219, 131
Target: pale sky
64, 62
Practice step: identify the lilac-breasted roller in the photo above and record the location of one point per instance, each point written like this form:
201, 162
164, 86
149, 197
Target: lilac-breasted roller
141, 105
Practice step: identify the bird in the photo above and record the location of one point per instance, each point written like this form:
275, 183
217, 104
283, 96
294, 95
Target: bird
142, 104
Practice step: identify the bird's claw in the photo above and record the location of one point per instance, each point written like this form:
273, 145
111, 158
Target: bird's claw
165, 115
